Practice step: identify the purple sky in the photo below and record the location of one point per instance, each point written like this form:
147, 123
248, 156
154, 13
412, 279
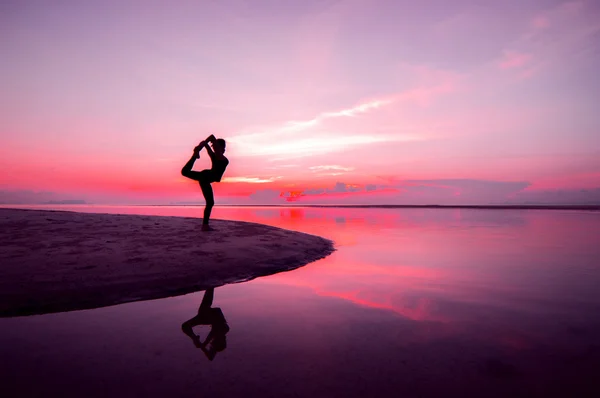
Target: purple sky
320, 101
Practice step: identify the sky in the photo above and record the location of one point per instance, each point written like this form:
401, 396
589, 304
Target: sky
335, 102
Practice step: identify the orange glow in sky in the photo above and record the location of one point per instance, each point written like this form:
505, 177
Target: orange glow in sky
348, 102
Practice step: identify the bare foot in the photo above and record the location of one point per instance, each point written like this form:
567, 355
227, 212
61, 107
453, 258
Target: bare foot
206, 227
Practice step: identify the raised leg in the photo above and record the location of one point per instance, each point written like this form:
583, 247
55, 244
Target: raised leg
186, 171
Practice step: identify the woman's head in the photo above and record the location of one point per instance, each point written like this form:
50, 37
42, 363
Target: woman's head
220, 145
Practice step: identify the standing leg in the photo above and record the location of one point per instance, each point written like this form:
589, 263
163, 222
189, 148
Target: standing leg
209, 198
207, 299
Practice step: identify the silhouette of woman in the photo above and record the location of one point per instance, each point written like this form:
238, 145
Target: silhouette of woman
206, 177
216, 340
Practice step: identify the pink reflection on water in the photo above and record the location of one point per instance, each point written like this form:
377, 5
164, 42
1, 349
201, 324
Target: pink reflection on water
432, 264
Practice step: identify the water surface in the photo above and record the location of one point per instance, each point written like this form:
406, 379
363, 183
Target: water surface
414, 302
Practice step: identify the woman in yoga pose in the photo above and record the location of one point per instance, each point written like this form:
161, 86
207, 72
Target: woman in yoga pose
206, 177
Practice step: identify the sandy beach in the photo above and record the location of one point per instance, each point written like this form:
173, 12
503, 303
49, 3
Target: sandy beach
55, 261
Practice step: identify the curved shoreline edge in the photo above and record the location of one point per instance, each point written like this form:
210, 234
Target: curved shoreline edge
57, 261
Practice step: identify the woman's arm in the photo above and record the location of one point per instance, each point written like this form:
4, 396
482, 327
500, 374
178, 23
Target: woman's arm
211, 153
210, 353
212, 139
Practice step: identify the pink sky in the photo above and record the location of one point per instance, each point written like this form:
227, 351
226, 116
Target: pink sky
320, 101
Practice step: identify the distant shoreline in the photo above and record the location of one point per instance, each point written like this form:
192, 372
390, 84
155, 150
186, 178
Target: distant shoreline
474, 207
482, 207
485, 207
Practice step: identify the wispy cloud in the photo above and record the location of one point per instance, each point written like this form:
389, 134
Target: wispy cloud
362, 108
251, 180
540, 22
565, 31
284, 166
300, 125
557, 15
316, 145
514, 59
330, 170
285, 142
331, 167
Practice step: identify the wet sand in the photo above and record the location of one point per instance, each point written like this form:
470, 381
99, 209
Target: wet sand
54, 261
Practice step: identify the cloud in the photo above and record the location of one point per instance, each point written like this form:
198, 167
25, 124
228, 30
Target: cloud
349, 112
464, 191
513, 59
27, 197
431, 84
558, 197
251, 180
300, 125
320, 193
563, 32
301, 138
331, 167
362, 108
316, 145
341, 187
313, 191
540, 22
376, 119
291, 196
558, 15
465, 183
331, 170
417, 192
266, 196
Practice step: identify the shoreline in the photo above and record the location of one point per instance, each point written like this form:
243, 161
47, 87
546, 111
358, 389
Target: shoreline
56, 261
351, 206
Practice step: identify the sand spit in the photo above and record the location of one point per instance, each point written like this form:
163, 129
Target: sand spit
54, 261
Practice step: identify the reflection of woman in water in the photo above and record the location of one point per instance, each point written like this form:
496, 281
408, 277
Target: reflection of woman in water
206, 177
216, 340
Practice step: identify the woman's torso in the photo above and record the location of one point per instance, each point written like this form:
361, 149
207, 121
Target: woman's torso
218, 167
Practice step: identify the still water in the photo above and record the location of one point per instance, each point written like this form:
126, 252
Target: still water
414, 302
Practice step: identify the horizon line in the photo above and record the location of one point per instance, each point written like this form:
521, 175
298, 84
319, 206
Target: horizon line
595, 207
